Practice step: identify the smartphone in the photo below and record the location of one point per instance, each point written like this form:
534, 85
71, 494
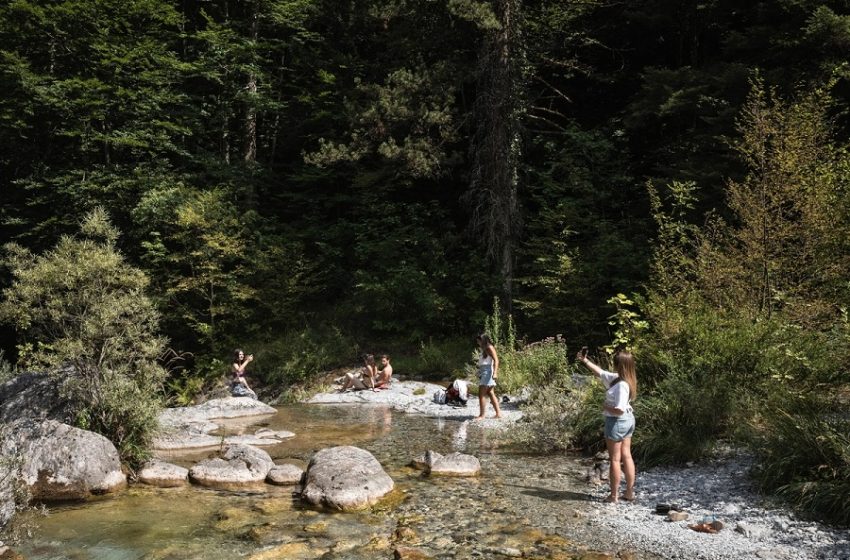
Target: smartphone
584, 351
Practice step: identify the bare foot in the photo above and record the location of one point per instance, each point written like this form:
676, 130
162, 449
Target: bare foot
478, 418
498, 416
610, 500
629, 496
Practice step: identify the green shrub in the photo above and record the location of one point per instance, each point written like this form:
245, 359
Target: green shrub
298, 355
81, 304
432, 359
7, 369
588, 424
550, 417
805, 457
536, 364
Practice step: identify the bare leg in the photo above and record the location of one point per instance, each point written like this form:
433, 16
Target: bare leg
614, 457
628, 469
349, 381
482, 401
495, 402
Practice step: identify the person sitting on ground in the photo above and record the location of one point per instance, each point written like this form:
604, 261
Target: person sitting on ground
364, 379
382, 381
239, 386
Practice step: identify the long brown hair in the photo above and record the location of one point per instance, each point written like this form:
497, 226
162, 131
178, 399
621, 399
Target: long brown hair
624, 365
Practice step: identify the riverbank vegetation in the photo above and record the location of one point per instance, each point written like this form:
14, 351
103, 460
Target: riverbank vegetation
310, 180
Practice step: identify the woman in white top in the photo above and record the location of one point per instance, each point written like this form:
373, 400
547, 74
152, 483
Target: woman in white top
621, 388
488, 372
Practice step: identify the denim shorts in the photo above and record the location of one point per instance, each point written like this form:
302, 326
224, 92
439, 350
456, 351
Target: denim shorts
618, 428
485, 376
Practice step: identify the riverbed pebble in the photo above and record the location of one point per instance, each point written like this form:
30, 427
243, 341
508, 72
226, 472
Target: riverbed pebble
718, 489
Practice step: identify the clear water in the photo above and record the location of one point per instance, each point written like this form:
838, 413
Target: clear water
520, 503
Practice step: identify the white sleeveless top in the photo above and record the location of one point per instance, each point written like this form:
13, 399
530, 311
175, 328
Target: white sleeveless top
485, 359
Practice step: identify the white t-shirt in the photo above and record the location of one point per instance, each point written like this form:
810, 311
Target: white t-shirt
616, 395
485, 359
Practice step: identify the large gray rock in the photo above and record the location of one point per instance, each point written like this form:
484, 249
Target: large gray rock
35, 395
345, 478
164, 475
8, 482
238, 467
60, 462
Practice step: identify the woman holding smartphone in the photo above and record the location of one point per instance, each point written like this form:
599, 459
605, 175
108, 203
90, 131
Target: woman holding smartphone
240, 362
620, 390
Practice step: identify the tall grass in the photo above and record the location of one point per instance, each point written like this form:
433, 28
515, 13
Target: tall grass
805, 459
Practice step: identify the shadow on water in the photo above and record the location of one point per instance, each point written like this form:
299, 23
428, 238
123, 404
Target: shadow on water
555, 495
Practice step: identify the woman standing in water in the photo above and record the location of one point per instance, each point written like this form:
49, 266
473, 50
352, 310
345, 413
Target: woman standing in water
620, 390
488, 372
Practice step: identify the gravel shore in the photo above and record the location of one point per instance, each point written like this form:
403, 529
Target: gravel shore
719, 488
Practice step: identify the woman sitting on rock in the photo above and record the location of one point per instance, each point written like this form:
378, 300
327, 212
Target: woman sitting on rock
364, 379
239, 387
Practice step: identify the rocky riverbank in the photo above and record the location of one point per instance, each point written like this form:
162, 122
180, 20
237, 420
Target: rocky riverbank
752, 527
416, 397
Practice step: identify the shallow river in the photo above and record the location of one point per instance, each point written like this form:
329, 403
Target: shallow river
521, 505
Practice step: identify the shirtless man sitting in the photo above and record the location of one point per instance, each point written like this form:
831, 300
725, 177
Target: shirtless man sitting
382, 381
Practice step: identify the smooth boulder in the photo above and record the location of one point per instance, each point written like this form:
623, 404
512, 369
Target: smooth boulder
238, 467
285, 475
164, 475
61, 462
345, 478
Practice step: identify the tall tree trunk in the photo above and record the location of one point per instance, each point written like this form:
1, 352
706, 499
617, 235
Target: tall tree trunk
249, 146
496, 148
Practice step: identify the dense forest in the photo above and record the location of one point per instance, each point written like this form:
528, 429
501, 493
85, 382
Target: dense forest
316, 177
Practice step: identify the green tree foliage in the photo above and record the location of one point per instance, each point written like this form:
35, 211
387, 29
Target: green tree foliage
89, 89
81, 305
748, 328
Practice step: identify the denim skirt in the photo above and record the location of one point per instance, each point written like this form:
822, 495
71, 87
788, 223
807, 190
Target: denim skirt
485, 376
618, 428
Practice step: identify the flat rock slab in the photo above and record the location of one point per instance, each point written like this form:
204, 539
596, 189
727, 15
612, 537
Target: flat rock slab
192, 427
345, 478
416, 397
285, 475
229, 407
164, 475
238, 467
193, 438
61, 462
